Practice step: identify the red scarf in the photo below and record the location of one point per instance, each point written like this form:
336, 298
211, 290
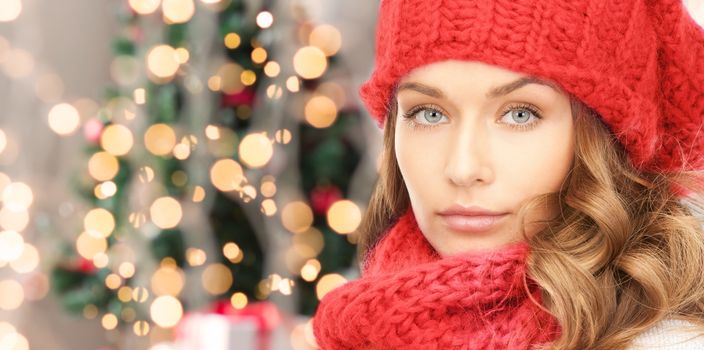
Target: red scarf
409, 297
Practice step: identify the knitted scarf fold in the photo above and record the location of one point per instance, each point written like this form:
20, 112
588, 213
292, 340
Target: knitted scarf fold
409, 297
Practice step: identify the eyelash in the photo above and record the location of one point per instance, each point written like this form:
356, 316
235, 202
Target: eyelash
522, 127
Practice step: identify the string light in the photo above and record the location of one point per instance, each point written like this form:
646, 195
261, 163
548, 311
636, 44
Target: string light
112, 128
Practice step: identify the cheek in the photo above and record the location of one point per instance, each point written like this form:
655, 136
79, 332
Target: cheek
541, 161
418, 163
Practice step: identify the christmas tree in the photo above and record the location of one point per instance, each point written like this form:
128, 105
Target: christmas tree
203, 153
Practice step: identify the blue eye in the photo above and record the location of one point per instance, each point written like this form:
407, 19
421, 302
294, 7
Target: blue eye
520, 116
430, 115
423, 116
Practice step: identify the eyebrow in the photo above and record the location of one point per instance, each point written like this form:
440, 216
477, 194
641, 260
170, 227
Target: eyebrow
493, 93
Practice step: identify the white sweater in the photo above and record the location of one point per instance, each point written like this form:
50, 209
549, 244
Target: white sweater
670, 334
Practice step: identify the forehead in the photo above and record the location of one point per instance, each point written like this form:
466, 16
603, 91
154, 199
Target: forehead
452, 77
452, 67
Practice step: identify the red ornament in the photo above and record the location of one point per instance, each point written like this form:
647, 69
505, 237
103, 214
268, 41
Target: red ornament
85, 265
244, 97
322, 197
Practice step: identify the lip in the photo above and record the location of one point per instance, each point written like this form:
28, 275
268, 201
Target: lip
473, 210
470, 218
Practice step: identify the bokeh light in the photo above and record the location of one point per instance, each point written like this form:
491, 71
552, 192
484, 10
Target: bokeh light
144, 7
196, 257
327, 38
310, 270
320, 111
14, 220
160, 139
297, 216
232, 252
17, 196
272, 69
166, 212
14, 341
232, 40
265, 19
258, 55
113, 281
310, 62
88, 246
167, 280
256, 150
268, 207
63, 119
217, 279
10, 10
178, 11
293, 84
103, 166
248, 77
327, 283
11, 245
141, 328
109, 321
126, 269
238, 300
116, 139
99, 222
27, 261
344, 216
140, 294
11, 295
226, 175
183, 55
166, 311
198, 194
163, 61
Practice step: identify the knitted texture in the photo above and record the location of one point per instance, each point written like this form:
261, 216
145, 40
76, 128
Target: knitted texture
411, 298
638, 63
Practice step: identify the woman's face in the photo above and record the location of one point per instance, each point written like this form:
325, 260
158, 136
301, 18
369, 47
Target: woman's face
469, 134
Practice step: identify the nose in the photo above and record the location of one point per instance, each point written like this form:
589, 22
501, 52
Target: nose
469, 158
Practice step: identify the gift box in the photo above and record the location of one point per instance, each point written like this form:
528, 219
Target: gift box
222, 327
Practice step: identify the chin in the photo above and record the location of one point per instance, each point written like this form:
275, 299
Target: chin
450, 242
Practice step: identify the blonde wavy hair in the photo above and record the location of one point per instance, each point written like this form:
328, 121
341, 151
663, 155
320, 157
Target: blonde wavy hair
624, 252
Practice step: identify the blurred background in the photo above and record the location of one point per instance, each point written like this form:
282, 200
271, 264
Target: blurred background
181, 174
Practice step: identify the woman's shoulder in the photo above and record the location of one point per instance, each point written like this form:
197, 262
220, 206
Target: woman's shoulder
671, 334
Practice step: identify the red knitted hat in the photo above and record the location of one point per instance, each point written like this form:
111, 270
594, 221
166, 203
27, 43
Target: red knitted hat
638, 63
